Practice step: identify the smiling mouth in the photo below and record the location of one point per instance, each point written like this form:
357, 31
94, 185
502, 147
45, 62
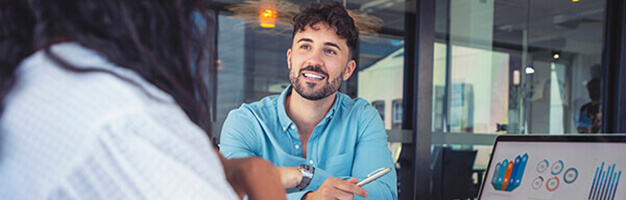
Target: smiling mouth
312, 76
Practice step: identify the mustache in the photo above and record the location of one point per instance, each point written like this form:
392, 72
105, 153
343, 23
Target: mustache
314, 68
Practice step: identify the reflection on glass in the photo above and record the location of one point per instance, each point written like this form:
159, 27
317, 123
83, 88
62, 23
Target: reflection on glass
380, 107
514, 67
590, 116
252, 64
517, 67
397, 114
230, 68
380, 75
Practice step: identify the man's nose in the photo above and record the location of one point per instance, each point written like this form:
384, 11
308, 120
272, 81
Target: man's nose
315, 59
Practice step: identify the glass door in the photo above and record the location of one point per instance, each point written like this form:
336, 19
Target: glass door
510, 67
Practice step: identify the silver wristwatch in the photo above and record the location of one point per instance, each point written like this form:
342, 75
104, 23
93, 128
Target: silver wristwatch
307, 175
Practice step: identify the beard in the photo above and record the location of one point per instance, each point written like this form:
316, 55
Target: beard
307, 89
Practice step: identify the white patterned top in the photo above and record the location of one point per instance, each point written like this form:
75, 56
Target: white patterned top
68, 135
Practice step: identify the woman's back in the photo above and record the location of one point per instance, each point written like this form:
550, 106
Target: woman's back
93, 135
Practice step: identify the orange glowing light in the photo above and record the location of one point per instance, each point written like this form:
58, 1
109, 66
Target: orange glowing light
267, 18
575, 0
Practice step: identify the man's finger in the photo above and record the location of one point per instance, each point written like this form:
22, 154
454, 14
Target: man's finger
353, 180
350, 187
343, 195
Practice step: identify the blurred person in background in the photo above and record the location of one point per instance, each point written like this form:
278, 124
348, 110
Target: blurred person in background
590, 116
99, 100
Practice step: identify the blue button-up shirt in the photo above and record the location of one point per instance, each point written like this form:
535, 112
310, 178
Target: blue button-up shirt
349, 142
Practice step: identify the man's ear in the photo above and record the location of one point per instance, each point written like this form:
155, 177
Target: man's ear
349, 70
289, 58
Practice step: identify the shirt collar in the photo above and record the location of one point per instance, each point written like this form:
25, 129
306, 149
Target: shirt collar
284, 119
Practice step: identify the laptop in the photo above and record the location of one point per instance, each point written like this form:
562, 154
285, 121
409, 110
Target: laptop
540, 167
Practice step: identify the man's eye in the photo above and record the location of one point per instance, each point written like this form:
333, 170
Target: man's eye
305, 47
330, 51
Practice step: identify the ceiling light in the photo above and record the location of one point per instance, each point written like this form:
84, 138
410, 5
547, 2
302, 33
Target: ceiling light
276, 15
556, 55
267, 18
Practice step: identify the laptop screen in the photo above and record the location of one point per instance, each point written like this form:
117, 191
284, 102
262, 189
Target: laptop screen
556, 167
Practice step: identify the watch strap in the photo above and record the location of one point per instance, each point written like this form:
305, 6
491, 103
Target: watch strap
307, 175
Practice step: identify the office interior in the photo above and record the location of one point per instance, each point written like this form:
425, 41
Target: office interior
447, 76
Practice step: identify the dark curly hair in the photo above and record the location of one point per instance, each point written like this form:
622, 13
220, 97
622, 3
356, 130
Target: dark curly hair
333, 14
158, 39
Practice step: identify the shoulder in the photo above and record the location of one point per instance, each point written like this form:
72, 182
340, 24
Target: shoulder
47, 93
262, 109
585, 107
361, 114
355, 106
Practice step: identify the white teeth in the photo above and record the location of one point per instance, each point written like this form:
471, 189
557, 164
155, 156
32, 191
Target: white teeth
313, 76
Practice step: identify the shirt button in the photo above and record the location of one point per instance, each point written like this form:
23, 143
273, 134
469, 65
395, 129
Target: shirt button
297, 146
293, 126
311, 162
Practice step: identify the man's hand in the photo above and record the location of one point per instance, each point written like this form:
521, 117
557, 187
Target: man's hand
335, 188
290, 176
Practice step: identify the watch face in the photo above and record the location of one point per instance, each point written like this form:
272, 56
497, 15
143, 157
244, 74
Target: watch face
307, 171
307, 174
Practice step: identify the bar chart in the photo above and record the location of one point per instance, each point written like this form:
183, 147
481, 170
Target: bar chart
508, 174
605, 183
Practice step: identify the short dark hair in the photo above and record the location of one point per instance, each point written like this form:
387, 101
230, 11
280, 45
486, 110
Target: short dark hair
594, 87
334, 14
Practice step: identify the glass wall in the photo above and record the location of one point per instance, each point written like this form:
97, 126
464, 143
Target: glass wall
511, 67
252, 63
499, 67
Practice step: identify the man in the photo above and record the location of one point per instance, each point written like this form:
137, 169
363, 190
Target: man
319, 136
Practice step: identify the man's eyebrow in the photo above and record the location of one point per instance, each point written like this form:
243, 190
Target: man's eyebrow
327, 43
305, 40
332, 44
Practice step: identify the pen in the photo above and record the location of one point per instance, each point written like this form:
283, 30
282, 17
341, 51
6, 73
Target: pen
374, 175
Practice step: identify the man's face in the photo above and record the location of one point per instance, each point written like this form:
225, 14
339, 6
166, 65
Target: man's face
318, 61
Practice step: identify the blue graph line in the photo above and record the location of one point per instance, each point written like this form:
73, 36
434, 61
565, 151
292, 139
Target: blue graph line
595, 190
606, 179
604, 176
609, 182
612, 185
593, 184
616, 183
